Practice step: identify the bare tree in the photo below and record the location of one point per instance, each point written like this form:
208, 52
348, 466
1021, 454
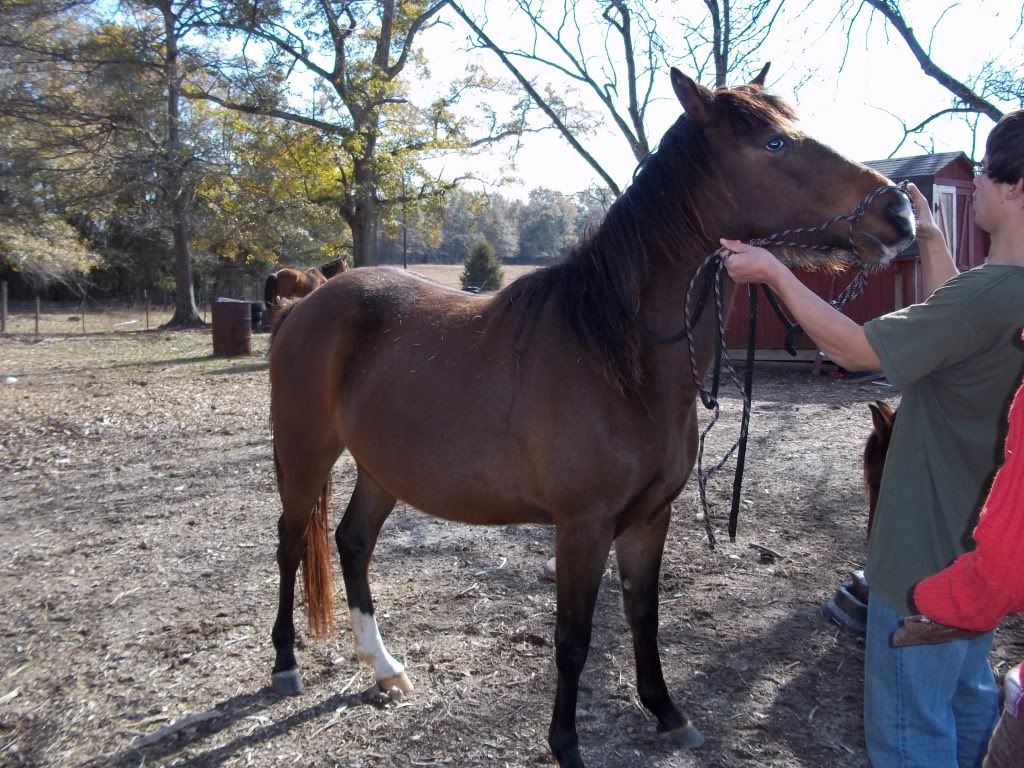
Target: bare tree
626, 41
976, 96
732, 40
612, 51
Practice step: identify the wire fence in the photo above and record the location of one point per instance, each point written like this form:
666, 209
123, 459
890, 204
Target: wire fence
36, 316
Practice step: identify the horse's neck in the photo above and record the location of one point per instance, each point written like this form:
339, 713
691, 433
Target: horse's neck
664, 295
670, 285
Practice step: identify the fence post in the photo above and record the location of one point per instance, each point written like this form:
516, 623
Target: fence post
37, 314
3, 307
145, 299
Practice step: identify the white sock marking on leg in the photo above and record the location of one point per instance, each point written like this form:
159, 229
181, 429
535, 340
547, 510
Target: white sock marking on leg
370, 646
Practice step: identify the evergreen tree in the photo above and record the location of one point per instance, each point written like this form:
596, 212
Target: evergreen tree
481, 269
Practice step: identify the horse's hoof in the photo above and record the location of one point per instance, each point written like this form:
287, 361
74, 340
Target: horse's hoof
687, 736
399, 682
286, 683
571, 761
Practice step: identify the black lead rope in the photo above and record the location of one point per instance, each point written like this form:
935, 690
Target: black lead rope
748, 391
792, 329
710, 399
712, 271
710, 275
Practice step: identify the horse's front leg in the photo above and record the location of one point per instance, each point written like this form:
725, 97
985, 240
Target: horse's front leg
582, 553
639, 550
356, 537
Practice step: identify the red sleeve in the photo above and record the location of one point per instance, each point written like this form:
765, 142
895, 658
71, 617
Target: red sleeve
982, 586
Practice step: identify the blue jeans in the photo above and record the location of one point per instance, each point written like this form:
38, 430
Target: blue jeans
926, 706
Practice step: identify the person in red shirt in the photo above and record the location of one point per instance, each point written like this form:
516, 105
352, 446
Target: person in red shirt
980, 587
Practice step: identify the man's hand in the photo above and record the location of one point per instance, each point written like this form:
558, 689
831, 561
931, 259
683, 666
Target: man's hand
747, 263
919, 630
927, 229
937, 266
836, 335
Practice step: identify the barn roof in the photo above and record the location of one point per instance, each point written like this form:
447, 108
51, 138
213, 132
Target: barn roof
919, 165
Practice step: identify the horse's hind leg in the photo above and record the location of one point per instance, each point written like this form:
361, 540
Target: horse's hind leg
290, 545
356, 536
638, 550
299, 487
582, 553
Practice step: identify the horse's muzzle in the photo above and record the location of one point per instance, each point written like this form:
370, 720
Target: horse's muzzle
900, 214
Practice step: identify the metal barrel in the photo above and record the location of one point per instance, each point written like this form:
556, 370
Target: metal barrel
232, 327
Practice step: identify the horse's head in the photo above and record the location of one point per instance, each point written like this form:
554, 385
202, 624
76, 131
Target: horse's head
763, 176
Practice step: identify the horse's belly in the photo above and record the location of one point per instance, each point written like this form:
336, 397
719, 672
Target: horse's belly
491, 512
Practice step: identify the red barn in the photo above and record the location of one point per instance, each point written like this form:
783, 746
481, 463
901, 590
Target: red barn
947, 181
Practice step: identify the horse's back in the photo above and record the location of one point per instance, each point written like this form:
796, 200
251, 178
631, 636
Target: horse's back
372, 299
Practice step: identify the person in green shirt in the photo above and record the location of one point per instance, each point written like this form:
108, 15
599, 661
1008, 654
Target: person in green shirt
956, 358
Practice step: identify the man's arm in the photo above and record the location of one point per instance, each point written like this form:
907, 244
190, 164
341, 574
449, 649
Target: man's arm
839, 337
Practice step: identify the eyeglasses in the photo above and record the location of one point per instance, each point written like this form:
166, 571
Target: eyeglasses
980, 170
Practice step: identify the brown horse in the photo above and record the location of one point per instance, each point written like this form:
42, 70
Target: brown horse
876, 447
288, 283
545, 402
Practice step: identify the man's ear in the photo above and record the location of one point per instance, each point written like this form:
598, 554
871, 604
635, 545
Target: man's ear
1014, 194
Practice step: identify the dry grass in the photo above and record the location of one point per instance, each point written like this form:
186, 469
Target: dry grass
138, 507
60, 318
448, 274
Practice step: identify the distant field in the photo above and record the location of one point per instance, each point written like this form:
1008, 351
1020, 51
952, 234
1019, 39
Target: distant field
448, 274
59, 318
62, 318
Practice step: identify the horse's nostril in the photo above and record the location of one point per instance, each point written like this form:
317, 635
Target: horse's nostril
901, 216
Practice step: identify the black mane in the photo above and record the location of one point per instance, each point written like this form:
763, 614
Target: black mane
598, 287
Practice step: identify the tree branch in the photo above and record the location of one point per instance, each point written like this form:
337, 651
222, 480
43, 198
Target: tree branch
299, 55
250, 109
891, 12
537, 99
393, 70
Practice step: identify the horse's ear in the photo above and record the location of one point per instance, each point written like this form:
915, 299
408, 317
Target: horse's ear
881, 416
695, 98
759, 80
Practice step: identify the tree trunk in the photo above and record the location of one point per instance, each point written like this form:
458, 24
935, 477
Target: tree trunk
363, 224
185, 312
362, 216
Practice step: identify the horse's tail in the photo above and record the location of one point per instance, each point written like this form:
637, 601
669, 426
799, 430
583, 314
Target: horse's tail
279, 320
317, 576
270, 290
279, 317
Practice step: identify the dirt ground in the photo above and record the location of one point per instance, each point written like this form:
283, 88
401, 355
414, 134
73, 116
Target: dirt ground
137, 570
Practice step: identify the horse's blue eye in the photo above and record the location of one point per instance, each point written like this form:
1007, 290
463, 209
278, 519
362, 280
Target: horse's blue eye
775, 144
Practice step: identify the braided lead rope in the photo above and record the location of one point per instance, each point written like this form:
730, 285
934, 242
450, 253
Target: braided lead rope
703, 476
854, 289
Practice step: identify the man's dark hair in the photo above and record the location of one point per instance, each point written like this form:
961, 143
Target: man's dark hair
1004, 150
